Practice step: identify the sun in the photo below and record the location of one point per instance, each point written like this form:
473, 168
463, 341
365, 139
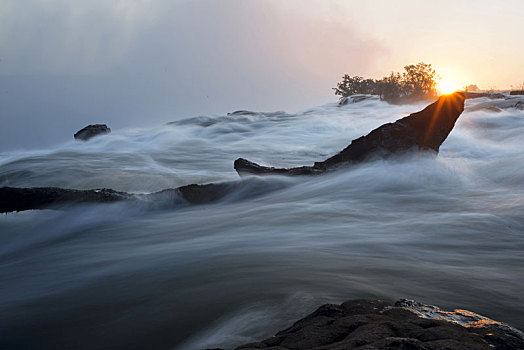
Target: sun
445, 86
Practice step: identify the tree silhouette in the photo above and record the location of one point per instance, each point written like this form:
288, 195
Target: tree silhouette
389, 88
418, 81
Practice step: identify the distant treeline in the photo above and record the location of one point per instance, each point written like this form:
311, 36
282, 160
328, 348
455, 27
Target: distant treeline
417, 82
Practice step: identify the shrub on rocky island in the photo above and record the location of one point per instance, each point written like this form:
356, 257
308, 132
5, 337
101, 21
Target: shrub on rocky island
418, 82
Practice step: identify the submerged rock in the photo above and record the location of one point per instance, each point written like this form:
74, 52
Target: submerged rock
242, 112
492, 95
424, 130
516, 102
356, 99
92, 131
20, 199
375, 324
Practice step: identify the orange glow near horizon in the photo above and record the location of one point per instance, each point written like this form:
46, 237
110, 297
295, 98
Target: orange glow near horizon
445, 86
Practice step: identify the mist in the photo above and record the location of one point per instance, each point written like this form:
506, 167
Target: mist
65, 65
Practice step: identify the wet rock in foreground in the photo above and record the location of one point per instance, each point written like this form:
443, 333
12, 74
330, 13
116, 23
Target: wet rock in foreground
375, 324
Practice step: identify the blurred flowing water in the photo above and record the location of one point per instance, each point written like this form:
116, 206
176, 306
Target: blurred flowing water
447, 231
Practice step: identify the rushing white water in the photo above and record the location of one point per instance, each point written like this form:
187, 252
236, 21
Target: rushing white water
447, 231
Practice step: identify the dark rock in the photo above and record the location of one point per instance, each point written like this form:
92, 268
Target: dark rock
516, 102
424, 130
373, 324
92, 131
459, 316
244, 166
19, 199
344, 101
242, 112
201, 194
492, 95
517, 92
356, 99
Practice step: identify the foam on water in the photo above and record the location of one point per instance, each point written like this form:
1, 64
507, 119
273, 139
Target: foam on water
446, 231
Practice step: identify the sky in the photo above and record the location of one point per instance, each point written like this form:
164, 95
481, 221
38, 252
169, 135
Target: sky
68, 63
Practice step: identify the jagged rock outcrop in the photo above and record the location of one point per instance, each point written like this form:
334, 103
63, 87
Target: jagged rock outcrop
517, 92
424, 130
91, 131
374, 324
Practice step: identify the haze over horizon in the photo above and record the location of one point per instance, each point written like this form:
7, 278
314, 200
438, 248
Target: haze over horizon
66, 64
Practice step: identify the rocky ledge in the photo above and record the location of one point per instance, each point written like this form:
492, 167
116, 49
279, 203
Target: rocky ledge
375, 324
